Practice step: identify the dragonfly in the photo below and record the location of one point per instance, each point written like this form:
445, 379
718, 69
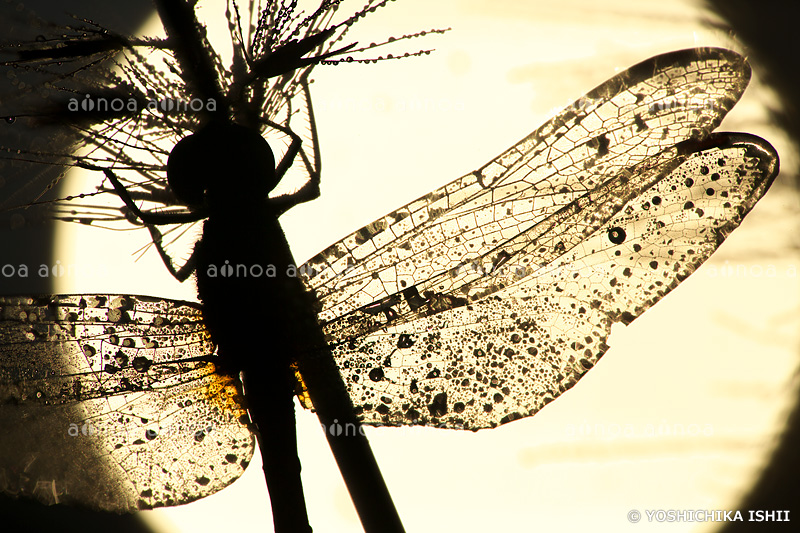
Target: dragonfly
481, 302
270, 50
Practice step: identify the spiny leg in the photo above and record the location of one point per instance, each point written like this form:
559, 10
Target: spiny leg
181, 274
310, 190
151, 220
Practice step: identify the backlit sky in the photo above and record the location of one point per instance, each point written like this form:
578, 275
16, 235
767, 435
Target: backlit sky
682, 410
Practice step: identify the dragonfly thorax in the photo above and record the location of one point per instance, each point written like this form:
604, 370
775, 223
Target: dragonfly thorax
221, 165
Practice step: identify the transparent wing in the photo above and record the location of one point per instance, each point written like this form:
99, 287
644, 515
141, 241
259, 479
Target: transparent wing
633, 116
480, 302
490, 347
115, 388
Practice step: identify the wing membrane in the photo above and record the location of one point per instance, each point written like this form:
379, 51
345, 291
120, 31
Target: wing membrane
498, 347
633, 116
118, 388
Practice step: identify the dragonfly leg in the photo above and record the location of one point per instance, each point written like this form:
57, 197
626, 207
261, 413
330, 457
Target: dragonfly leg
151, 220
310, 190
145, 217
295, 147
181, 274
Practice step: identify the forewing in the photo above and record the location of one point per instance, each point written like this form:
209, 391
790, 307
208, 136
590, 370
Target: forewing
493, 346
113, 402
629, 118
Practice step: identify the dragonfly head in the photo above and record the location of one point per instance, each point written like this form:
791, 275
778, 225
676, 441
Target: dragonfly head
220, 164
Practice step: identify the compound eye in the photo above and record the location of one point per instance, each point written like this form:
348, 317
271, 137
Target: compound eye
185, 172
225, 162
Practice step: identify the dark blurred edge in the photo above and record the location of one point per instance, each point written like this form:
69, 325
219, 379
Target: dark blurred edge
769, 28
33, 245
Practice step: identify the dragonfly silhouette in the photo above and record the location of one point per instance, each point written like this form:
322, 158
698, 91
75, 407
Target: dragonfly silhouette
250, 97
471, 307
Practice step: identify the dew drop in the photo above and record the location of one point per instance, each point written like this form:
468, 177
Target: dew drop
616, 235
141, 364
439, 405
121, 359
405, 341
